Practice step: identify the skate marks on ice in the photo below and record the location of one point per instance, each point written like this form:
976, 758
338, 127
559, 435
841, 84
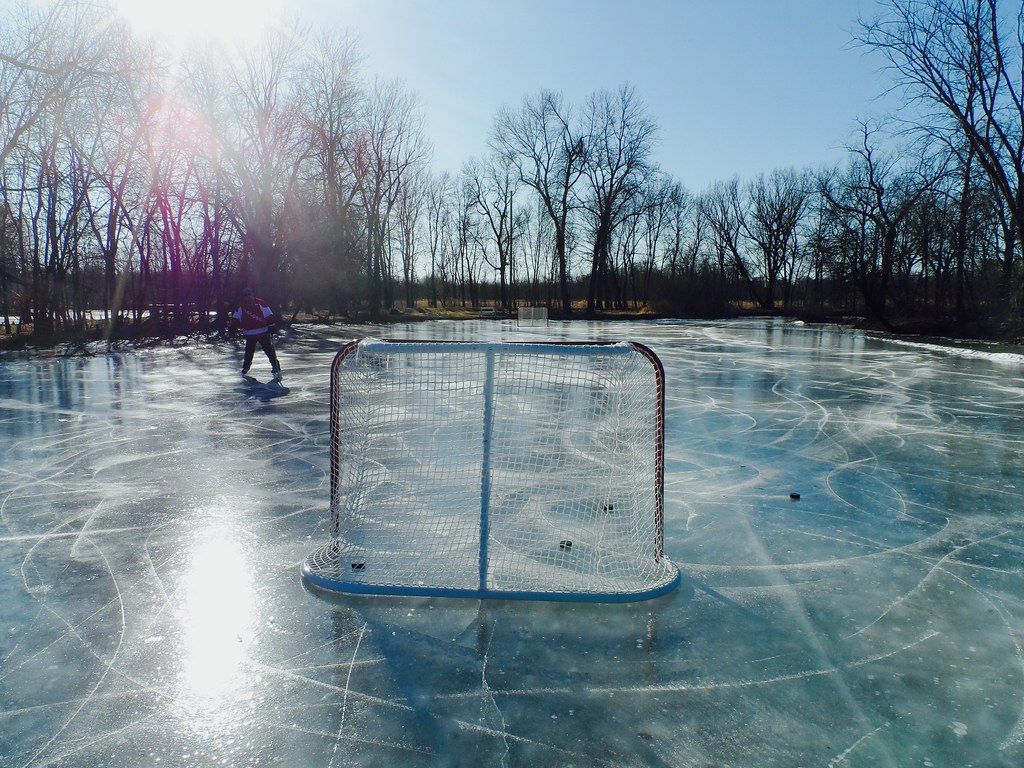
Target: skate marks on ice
906, 526
151, 607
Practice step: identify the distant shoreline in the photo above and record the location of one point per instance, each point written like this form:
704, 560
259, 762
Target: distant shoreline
93, 341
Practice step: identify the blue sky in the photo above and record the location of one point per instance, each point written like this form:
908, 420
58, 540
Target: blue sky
737, 86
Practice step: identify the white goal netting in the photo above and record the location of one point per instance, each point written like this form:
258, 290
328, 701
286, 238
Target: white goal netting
532, 316
508, 470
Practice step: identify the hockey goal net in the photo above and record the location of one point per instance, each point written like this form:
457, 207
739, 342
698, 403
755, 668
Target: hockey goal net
532, 316
508, 470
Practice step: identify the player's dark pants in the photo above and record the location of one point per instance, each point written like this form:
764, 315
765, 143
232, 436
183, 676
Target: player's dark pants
267, 344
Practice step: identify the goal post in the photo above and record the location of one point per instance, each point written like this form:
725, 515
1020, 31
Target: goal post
520, 470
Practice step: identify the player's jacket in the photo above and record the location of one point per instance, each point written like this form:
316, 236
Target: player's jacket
254, 317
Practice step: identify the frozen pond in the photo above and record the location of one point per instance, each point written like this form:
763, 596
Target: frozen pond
155, 511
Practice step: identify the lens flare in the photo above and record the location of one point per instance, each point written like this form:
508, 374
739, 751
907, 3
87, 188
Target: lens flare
236, 22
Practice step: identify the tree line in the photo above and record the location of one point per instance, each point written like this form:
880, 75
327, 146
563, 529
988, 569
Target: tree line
138, 187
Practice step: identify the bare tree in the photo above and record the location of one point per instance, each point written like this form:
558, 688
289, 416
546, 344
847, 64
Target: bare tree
656, 211
538, 253
409, 215
775, 207
388, 144
954, 54
46, 55
878, 192
722, 209
439, 222
329, 94
492, 185
259, 142
679, 206
548, 154
619, 142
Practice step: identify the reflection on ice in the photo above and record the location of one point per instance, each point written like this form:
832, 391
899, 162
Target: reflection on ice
153, 516
217, 619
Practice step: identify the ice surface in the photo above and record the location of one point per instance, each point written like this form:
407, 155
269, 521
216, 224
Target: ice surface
156, 510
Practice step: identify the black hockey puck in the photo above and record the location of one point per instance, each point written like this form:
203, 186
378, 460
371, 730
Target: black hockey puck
358, 566
609, 508
794, 496
565, 544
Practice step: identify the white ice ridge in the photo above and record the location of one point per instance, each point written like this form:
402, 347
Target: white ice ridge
1000, 358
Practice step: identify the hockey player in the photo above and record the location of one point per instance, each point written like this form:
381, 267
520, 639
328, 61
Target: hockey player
256, 319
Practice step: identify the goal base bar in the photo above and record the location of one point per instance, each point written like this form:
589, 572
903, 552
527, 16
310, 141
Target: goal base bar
314, 577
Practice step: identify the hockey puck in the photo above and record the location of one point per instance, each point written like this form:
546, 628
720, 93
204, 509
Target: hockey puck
609, 508
358, 566
565, 544
794, 496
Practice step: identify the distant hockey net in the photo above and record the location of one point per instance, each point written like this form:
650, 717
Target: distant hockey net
507, 470
529, 316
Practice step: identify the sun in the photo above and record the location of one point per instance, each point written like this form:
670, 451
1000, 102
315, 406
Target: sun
184, 21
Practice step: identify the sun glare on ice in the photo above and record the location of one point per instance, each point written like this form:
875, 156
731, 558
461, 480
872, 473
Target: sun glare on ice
218, 617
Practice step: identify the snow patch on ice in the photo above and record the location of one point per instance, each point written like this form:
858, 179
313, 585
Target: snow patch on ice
1000, 358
